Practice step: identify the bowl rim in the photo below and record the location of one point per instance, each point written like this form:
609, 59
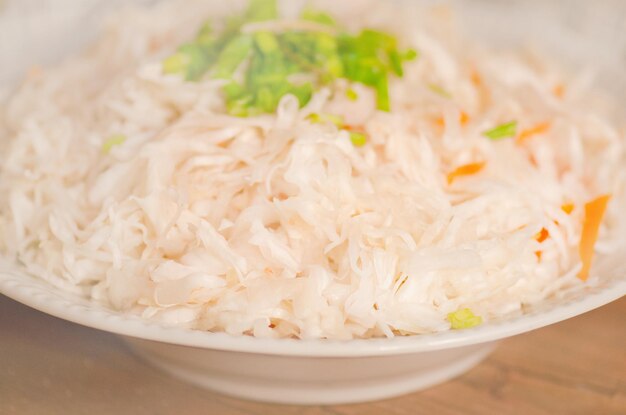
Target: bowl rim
40, 295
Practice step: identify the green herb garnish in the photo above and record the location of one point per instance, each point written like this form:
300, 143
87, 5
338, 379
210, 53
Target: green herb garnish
176, 64
233, 54
259, 65
260, 10
318, 17
464, 319
358, 139
316, 118
439, 90
113, 141
351, 94
502, 131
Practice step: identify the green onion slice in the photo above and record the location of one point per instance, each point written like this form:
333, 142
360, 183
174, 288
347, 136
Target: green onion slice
358, 139
464, 319
113, 141
502, 131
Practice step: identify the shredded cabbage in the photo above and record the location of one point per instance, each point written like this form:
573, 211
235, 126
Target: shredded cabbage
277, 226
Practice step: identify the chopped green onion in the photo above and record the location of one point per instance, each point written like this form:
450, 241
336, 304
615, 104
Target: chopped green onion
351, 94
208, 43
358, 139
318, 17
112, 141
410, 55
378, 39
266, 42
205, 37
206, 29
232, 56
439, 90
176, 64
464, 319
261, 10
334, 67
395, 61
240, 106
316, 118
265, 99
267, 60
382, 99
502, 131
303, 92
325, 44
198, 61
234, 90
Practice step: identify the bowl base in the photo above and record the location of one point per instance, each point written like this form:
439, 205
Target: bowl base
310, 380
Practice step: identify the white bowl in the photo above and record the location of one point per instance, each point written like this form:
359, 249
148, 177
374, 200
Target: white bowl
328, 372
311, 371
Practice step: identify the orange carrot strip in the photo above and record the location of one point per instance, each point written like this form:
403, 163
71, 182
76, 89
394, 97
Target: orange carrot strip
594, 213
542, 235
568, 208
539, 254
537, 129
463, 119
476, 78
356, 128
559, 90
465, 170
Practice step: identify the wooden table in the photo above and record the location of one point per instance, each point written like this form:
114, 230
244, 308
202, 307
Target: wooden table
48, 366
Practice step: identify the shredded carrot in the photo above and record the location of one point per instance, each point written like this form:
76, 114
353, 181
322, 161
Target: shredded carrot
594, 213
568, 208
463, 119
542, 235
476, 78
559, 90
537, 129
539, 254
465, 170
356, 128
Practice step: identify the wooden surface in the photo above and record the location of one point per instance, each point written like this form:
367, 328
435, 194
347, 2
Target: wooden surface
48, 366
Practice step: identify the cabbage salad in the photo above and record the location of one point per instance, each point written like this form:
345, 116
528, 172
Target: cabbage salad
322, 170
